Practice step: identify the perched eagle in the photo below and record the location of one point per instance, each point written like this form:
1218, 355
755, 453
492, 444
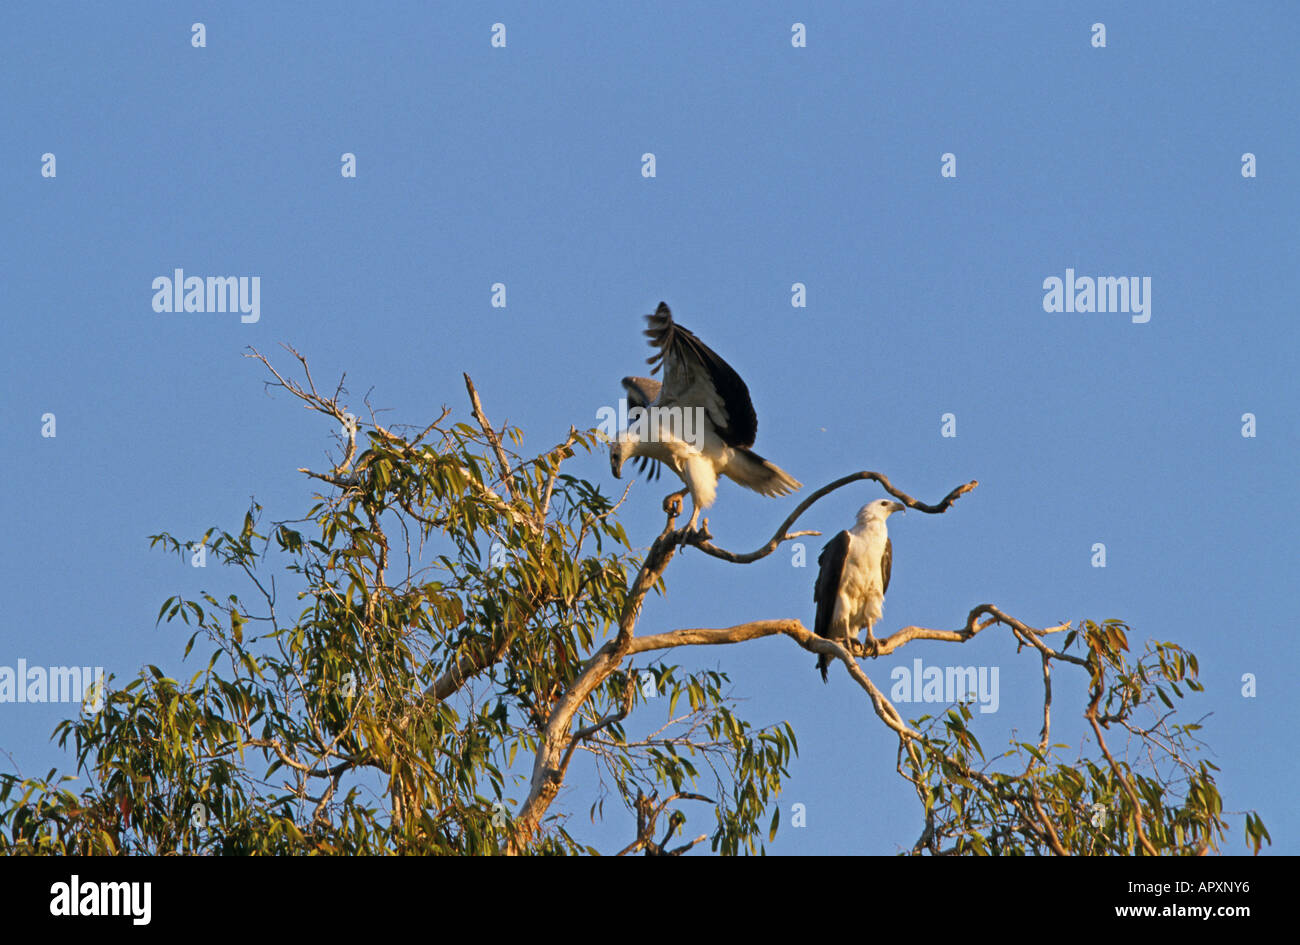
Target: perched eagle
699, 421
853, 577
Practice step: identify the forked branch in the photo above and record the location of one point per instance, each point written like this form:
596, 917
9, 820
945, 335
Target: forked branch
558, 739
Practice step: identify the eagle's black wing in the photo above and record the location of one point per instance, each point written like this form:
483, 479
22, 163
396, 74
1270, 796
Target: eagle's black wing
831, 571
695, 376
886, 562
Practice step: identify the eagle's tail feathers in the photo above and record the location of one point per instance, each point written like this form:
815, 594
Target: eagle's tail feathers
754, 472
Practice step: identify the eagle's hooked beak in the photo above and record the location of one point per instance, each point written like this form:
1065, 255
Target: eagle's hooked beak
616, 460
898, 507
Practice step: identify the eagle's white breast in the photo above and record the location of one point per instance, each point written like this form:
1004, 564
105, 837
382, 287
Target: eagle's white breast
861, 597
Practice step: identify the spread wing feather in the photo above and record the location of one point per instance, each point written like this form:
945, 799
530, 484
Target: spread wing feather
641, 391
695, 376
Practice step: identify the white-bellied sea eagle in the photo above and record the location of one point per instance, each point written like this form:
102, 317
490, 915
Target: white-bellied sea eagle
853, 577
699, 421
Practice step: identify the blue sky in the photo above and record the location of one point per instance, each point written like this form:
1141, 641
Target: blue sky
774, 165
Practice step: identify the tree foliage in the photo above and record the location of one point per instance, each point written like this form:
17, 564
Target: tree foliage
415, 661
1028, 801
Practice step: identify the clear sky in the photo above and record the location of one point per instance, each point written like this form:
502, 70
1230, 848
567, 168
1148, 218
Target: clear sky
774, 165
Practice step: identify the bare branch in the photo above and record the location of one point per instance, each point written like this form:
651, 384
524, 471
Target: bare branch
564, 451
502, 463
1045, 734
314, 401
972, 627
700, 540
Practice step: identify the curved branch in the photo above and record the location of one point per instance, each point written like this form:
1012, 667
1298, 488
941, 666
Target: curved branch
612, 718
701, 540
1023, 632
314, 400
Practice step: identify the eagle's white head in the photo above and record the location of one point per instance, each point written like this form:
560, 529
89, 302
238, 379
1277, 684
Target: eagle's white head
627, 446
878, 511
618, 453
